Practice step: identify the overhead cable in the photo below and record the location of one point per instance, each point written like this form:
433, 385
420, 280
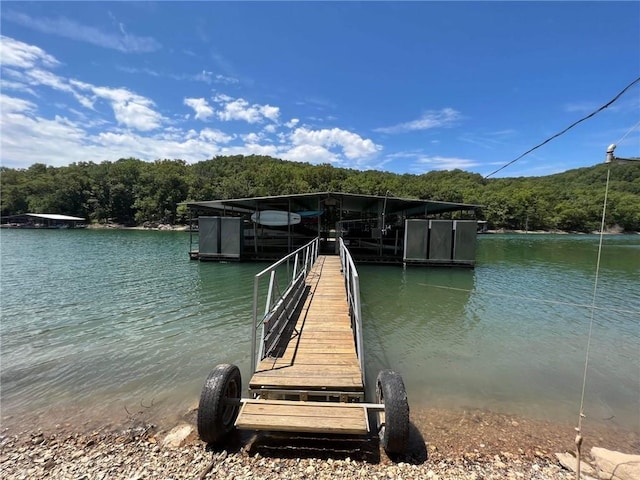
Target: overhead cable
610, 102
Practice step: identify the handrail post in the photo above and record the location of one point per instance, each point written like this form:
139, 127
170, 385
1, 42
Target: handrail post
267, 306
295, 267
254, 330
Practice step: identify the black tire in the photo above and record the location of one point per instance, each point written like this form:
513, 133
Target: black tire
219, 403
394, 429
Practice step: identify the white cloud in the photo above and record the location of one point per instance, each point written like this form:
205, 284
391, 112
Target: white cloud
430, 119
252, 138
240, 109
15, 53
130, 109
225, 80
200, 106
64, 27
6, 84
311, 154
292, 123
57, 133
352, 145
214, 136
444, 163
15, 105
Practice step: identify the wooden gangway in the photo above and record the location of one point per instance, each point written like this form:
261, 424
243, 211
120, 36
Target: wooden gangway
310, 379
320, 355
307, 360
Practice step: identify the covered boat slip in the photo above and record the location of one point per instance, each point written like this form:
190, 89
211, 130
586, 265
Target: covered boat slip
376, 229
42, 220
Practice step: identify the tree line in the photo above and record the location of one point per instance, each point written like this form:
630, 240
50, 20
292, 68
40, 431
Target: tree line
131, 191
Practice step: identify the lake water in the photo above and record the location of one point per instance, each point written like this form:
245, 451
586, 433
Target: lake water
96, 323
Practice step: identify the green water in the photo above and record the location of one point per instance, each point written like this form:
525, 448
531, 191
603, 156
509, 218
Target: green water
97, 321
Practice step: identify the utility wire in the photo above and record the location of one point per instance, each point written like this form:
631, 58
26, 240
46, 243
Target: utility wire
568, 128
628, 132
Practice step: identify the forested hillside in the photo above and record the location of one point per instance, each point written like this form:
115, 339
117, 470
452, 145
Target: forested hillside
132, 191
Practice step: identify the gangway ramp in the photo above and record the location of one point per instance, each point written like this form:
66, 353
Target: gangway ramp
307, 360
321, 354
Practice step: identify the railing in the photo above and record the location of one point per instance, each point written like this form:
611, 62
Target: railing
279, 306
352, 285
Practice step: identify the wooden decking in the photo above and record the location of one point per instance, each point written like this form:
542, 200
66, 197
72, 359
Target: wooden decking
310, 417
321, 353
319, 361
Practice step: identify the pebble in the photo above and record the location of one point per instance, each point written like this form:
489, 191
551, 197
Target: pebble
131, 455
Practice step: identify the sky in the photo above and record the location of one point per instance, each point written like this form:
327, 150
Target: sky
405, 87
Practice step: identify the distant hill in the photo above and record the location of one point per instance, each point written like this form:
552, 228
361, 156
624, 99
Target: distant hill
132, 191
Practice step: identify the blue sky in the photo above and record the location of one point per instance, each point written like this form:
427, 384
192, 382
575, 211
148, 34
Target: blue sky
402, 87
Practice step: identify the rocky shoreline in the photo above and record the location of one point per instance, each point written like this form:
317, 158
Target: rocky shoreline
466, 445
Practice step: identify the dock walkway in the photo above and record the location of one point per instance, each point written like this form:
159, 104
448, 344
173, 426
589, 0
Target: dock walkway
319, 363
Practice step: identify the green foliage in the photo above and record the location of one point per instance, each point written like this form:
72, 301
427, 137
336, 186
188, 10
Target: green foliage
132, 191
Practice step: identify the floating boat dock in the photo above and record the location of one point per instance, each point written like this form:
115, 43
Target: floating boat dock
376, 229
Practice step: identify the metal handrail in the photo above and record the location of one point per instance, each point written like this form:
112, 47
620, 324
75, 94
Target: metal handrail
352, 285
303, 259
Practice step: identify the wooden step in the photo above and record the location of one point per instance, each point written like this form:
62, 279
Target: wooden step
308, 417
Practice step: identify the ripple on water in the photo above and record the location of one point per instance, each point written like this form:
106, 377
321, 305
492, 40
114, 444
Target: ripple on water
95, 321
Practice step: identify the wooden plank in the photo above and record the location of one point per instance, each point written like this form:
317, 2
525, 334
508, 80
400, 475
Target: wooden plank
310, 417
311, 371
309, 360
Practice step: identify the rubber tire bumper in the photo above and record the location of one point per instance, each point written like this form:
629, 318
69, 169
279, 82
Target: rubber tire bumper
394, 432
219, 403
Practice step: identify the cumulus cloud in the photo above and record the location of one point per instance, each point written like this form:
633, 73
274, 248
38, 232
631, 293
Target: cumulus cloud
352, 145
446, 117
200, 106
311, 154
214, 136
240, 109
64, 27
118, 122
292, 123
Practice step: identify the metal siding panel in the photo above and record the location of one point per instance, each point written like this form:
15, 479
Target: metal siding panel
416, 239
208, 229
231, 236
465, 240
440, 239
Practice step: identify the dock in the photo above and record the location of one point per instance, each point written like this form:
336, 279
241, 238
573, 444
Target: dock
307, 370
319, 362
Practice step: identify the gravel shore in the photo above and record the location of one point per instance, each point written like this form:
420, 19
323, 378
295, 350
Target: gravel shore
470, 445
